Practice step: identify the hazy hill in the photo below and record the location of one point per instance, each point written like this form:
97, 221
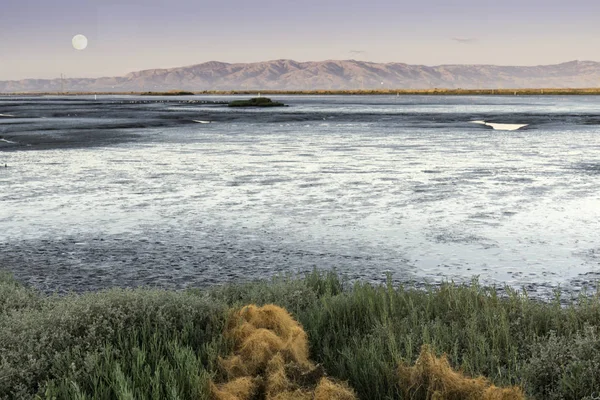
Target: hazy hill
344, 75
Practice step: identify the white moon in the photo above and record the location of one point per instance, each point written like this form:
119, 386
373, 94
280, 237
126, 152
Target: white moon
79, 42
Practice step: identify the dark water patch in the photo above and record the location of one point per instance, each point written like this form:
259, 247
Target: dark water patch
591, 120
71, 139
592, 254
537, 190
7, 143
79, 122
161, 175
479, 172
167, 260
588, 168
513, 179
282, 162
483, 216
431, 197
456, 237
310, 185
258, 179
445, 179
124, 161
341, 148
273, 181
423, 188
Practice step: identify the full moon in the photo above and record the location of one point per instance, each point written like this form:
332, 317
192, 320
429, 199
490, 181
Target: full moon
79, 42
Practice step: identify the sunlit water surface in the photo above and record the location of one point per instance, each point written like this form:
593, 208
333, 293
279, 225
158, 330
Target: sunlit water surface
363, 184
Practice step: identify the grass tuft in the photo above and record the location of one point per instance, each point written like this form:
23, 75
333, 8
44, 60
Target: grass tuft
434, 378
271, 351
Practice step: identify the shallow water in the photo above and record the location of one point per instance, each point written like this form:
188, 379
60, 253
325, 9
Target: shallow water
128, 191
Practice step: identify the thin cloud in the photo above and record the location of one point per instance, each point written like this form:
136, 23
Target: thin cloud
357, 51
464, 40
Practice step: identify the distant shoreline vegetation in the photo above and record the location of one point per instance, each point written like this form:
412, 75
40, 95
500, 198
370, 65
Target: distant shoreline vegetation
169, 93
400, 92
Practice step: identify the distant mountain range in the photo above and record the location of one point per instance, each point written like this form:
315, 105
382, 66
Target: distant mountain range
332, 75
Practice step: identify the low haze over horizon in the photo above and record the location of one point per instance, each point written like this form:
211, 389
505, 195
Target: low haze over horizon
131, 35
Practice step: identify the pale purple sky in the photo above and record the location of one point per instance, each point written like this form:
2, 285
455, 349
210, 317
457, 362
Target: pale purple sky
130, 35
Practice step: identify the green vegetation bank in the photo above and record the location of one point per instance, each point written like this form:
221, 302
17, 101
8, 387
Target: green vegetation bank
158, 344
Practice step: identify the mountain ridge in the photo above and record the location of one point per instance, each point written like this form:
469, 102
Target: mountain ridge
284, 74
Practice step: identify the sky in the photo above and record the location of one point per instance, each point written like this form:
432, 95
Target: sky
132, 35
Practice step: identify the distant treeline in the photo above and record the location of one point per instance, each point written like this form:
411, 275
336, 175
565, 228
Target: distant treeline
169, 93
434, 91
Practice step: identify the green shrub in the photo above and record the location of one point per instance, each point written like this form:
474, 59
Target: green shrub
156, 370
565, 367
290, 292
14, 296
60, 337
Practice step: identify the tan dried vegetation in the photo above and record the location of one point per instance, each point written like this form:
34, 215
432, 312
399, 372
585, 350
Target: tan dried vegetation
433, 378
270, 360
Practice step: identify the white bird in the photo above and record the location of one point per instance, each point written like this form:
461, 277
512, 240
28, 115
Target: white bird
501, 127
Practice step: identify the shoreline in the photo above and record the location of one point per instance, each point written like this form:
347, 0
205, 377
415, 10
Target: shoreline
355, 92
94, 280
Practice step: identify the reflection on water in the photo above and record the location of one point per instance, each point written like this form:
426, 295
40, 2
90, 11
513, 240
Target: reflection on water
143, 194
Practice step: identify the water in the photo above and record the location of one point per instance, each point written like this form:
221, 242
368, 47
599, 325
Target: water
129, 191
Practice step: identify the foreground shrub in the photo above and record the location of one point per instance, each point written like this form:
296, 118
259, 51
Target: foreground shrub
159, 371
566, 367
14, 296
73, 341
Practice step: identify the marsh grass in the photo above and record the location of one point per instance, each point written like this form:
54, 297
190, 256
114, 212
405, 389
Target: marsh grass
61, 346
160, 344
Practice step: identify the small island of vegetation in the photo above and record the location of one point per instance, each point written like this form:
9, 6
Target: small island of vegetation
169, 93
256, 102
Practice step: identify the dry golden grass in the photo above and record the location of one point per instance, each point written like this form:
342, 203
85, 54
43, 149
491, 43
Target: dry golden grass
259, 335
240, 388
328, 390
270, 360
433, 378
277, 380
